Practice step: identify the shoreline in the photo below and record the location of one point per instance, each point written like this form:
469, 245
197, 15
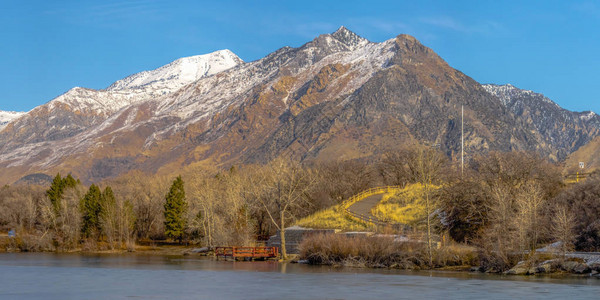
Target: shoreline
187, 251
542, 264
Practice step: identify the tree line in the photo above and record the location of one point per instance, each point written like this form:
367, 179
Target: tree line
503, 203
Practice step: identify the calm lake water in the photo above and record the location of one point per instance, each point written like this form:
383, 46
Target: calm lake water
131, 276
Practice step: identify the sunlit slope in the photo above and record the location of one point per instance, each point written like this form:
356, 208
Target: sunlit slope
404, 206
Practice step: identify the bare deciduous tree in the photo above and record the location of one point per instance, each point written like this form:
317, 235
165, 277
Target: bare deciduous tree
117, 220
394, 167
218, 207
146, 195
529, 203
65, 219
284, 191
425, 166
563, 229
19, 207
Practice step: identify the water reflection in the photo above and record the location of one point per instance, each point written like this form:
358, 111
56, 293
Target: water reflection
74, 276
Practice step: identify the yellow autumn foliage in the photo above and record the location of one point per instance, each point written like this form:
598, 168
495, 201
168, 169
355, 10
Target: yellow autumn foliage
333, 217
406, 206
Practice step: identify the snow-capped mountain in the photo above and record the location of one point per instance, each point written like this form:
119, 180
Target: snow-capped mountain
8, 116
512, 96
565, 129
197, 104
178, 73
81, 108
515, 99
338, 96
148, 84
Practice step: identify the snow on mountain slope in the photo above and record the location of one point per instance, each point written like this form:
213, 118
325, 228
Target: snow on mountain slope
148, 84
515, 98
198, 102
588, 115
179, 73
80, 108
209, 96
321, 97
508, 92
7, 116
364, 59
567, 129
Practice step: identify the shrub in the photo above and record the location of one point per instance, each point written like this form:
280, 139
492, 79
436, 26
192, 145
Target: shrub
362, 251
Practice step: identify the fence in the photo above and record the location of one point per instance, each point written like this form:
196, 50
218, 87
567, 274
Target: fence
247, 252
370, 220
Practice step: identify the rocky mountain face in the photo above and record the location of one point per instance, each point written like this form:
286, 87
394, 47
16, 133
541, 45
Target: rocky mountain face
338, 96
80, 108
566, 130
8, 116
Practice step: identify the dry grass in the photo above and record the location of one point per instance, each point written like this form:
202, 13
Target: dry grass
456, 254
406, 206
333, 217
382, 252
28, 243
361, 251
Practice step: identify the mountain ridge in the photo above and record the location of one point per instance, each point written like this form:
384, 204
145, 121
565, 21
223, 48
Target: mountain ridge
81, 108
337, 96
576, 128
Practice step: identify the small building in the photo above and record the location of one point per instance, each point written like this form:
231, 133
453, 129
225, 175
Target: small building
294, 236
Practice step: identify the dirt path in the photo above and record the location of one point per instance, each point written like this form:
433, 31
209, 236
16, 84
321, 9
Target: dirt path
364, 206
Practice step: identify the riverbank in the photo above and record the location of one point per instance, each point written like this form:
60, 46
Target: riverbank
374, 253
386, 252
15, 245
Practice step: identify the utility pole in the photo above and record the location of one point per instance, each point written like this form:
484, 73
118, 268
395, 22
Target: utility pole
462, 141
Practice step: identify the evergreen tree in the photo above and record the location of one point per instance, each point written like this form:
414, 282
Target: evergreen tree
58, 187
54, 193
90, 209
175, 208
69, 182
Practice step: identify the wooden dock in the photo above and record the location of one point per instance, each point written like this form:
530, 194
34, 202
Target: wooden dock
247, 252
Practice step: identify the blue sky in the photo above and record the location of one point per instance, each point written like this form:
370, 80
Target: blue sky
48, 47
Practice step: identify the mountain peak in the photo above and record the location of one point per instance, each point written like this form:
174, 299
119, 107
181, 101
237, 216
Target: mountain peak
409, 37
342, 30
224, 54
349, 38
181, 71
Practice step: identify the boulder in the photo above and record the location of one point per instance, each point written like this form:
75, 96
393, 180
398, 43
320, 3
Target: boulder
582, 269
569, 266
575, 267
548, 266
520, 269
595, 267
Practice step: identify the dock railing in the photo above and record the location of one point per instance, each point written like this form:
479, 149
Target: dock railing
247, 252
